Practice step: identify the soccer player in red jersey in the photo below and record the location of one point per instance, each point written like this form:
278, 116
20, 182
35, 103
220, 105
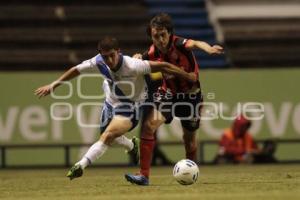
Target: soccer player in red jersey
174, 93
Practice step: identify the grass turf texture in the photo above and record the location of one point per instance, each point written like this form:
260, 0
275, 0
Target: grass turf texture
216, 182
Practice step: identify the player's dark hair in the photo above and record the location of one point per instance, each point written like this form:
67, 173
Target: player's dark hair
108, 43
162, 20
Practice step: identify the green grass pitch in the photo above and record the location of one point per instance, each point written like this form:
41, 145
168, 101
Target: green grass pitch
267, 182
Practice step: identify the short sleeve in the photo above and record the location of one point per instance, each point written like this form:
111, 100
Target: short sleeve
88, 66
181, 42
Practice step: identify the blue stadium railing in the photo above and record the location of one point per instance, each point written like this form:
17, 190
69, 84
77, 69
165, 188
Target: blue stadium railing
191, 21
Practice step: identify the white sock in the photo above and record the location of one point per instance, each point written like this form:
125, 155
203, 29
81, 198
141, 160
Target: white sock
94, 152
124, 142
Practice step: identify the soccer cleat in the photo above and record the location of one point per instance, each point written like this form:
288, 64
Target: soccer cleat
137, 179
135, 152
75, 172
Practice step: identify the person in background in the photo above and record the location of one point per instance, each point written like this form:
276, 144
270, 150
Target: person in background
238, 146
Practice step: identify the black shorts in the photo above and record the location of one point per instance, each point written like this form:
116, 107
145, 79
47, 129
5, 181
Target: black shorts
187, 107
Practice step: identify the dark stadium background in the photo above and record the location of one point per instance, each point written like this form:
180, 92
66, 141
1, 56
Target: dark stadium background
41, 39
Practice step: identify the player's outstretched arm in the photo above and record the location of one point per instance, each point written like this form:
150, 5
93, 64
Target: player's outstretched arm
138, 56
47, 89
169, 68
195, 44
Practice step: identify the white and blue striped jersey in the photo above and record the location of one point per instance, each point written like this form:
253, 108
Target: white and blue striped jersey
126, 84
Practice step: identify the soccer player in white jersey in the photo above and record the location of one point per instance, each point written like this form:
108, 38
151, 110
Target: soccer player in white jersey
119, 111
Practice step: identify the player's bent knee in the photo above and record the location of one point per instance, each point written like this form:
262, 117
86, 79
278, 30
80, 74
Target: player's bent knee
108, 137
150, 126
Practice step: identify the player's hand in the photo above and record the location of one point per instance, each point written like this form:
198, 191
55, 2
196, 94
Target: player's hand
216, 49
138, 56
192, 77
44, 90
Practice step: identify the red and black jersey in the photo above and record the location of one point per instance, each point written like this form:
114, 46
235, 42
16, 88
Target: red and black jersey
180, 56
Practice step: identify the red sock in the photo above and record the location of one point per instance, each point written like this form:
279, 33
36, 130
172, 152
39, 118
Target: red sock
191, 155
146, 151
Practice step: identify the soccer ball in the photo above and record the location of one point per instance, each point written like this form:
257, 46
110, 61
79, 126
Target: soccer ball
186, 172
